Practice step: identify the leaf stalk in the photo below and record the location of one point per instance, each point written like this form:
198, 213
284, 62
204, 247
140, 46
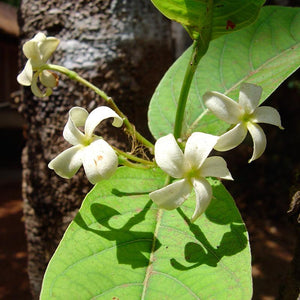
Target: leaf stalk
200, 46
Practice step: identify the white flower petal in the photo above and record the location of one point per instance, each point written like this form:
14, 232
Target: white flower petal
223, 107
172, 195
32, 52
98, 115
231, 138
31, 49
39, 37
47, 47
197, 148
77, 117
35, 89
203, 192
39, 49
25, 77
48, 79
249, 96
67, 163
215, 166
259, 140
99, 161
169, 156
267, 114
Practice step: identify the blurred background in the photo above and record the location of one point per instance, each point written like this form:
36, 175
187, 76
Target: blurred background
13, 255
274, 178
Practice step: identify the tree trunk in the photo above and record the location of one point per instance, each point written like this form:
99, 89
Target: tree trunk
122, 46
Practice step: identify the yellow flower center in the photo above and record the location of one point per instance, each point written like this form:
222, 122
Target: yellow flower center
87, 140
192, 173
246, 118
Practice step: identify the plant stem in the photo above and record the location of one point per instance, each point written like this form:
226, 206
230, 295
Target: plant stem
123, 161
133, 157
130, 127
200, 46
197, 53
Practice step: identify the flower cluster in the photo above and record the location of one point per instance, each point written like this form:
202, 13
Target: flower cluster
38, 50
189, 168
193, 166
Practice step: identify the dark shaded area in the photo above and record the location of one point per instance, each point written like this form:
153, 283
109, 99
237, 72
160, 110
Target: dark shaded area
13, 253
12, 2
13, 143
130, 244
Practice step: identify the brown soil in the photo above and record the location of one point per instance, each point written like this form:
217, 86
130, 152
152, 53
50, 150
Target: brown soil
13, 256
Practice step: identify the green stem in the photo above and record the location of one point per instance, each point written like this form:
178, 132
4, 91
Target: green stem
167, 180
133, 157
198, 51
200, 46
130, 127
123, 161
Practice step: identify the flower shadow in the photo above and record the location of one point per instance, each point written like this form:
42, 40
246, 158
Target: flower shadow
130, 245
204, 253
232, 242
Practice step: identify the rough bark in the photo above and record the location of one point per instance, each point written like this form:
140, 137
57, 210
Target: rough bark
122, 46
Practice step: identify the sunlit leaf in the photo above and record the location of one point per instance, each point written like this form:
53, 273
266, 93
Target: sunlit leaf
265, 53
120, 246
228, 15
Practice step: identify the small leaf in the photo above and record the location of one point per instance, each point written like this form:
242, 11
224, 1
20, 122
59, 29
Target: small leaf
265, 53
120, 246
228, 15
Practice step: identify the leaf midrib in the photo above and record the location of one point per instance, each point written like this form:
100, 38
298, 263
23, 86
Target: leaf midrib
151, 258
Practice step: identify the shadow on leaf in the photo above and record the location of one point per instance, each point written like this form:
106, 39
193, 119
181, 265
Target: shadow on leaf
130, 245
232, 242
119, 193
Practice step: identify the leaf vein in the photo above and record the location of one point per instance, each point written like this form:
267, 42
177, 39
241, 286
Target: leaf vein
149, 270
179, 282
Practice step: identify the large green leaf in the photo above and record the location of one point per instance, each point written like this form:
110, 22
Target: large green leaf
265, 53
120, 246
228, 15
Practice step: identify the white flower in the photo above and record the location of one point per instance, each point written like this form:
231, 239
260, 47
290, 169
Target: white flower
191, 168
38, 50
97, 156
245, 115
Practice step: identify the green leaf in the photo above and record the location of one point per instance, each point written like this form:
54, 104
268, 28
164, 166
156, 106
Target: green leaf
228, 15
265, 53
120, 246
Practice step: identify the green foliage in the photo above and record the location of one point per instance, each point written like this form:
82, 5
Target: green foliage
12, 2
227, 15
120, 246
265, 53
